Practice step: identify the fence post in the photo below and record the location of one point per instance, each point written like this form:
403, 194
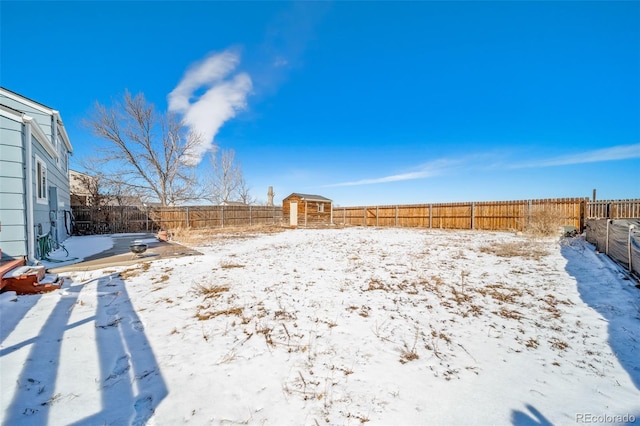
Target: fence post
364, 218
222, 219
631, 228
250, 218
430, 216
472, 214
377, 214
396, 221
188, 223
606, 241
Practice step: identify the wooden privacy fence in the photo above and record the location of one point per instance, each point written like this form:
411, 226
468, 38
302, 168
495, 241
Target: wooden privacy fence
613, 209
114, 219
486, 215
215, 216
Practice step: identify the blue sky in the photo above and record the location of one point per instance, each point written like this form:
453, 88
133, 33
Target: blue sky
362, 102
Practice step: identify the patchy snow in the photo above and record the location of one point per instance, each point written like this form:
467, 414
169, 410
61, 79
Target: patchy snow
77, 249
344, 326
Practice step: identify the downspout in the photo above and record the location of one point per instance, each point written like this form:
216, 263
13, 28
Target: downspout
31, 241
54, 142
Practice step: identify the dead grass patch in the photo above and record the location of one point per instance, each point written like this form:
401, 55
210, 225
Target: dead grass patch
407, 355
230, 265
162, 279
375, 284
545, 221
509, 314
193, 236
532, 343
526, 249
203, 316
211, 291
558, 344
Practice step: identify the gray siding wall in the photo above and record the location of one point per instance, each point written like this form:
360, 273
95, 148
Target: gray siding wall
52, 210
13, 237
43, 119
13, 216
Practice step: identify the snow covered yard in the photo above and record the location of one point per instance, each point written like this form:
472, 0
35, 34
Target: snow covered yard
342, 326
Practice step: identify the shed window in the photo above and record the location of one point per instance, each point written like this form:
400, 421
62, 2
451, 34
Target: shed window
41, 181
320, 207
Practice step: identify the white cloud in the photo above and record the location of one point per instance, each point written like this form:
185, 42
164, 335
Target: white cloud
430, 169
493, 161
224, 95
620, 152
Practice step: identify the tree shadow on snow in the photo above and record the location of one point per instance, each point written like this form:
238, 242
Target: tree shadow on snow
532, 418
618, 301
131, 385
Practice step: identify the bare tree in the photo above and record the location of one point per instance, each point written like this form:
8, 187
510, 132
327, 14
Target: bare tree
146, 154
88, 190
226, 179
244, 194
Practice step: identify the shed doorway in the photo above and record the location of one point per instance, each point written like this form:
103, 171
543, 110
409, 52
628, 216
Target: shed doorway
293, 213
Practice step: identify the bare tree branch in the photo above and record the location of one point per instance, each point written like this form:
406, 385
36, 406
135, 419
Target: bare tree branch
244, 193
145, 152
226, 182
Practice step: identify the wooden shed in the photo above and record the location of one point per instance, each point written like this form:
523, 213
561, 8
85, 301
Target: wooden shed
307, 210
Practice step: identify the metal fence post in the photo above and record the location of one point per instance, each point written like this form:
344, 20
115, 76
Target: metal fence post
606, 241
631, 228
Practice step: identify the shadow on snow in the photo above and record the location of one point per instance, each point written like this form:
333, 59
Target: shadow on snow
131, 385
532, 418
618, 303
617, 300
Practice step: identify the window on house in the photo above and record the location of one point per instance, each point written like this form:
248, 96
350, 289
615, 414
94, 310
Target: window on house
41, 180
320, 207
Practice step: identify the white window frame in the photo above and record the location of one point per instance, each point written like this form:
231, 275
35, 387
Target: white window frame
42, 181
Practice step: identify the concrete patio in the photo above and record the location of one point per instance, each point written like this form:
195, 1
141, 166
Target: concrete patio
120, 255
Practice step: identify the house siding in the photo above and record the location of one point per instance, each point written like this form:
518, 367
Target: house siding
13, 240
52, 211
13, 164
43, 119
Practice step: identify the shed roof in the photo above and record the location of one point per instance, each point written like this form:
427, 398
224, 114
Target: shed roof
309, 197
